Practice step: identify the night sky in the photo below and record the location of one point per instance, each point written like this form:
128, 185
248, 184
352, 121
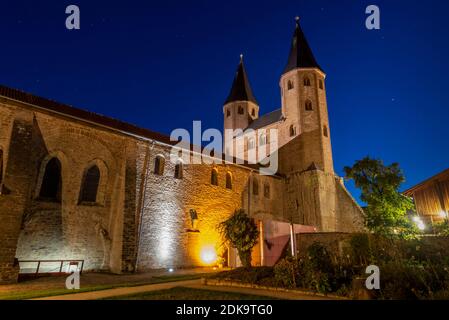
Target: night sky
161, 65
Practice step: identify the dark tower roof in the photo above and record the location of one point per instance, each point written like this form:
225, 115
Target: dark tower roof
301, 55
241, 89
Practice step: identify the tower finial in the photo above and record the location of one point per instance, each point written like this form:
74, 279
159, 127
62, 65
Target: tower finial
297, 20
241, 57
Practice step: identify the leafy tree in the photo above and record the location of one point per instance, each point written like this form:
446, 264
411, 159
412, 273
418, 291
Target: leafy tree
241, 232
387, 208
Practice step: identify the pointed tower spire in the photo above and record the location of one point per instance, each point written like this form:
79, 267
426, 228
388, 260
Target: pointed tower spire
301, 55
241, 89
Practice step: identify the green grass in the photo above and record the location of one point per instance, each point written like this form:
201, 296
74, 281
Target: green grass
23, 295
182, 293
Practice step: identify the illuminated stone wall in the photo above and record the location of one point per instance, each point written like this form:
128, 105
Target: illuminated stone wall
36, 230
168, 238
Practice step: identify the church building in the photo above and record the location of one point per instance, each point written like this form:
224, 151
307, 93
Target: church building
79, 186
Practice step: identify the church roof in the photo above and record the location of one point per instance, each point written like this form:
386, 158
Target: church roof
266, 120
50, 106
301, 55
241, 89
92, 117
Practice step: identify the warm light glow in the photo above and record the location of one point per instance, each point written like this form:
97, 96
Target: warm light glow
208, 255
443, 214
419, 223
171, 270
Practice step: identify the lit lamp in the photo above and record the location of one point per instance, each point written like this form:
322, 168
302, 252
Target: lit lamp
208, 255
419, 223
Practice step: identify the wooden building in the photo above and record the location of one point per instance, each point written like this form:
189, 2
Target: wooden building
432, 197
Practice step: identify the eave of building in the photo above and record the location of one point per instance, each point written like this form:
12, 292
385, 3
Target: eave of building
426, 183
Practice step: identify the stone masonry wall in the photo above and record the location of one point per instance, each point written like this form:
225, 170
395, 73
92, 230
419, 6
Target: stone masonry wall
167, 236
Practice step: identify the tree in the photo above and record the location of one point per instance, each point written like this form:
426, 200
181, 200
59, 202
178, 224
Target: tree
241, 232
387, 208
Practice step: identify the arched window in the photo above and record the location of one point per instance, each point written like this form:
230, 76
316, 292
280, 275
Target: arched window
266, 191
321, 84
179, 170
214, 177
255, 187
262, 139
51, 181
325, 131
290, 85
306, 82
159, 164
253, 112
228, 180
241, 111
228, 113
251, 144
309, 106
292, 131
89, 186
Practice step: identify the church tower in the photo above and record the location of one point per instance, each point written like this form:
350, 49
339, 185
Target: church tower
304, 106
241, 107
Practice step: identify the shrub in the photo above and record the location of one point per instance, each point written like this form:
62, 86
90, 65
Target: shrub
241, 232
442, 228
286, 272
320, 258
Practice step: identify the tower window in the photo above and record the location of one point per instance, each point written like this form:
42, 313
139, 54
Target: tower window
159, 164
266, 191
179, 170
228, 113
290, 85
292, 131
214, 177
253, 112
241, 111
251, 144
89, 186
325, 131
262, 139
229, 181
321, 84
306, 82
52, 181
255, 187
309, 106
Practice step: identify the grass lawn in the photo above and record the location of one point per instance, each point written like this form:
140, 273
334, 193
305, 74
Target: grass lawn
56, 292
182, 293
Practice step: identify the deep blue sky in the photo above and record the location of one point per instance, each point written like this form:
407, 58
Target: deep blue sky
161, 65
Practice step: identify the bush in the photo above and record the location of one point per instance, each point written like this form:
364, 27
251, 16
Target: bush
286, 272
410, 280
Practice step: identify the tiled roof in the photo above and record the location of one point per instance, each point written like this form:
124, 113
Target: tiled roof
67, 110
95, 118
301, 55
241, 89
266, 120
